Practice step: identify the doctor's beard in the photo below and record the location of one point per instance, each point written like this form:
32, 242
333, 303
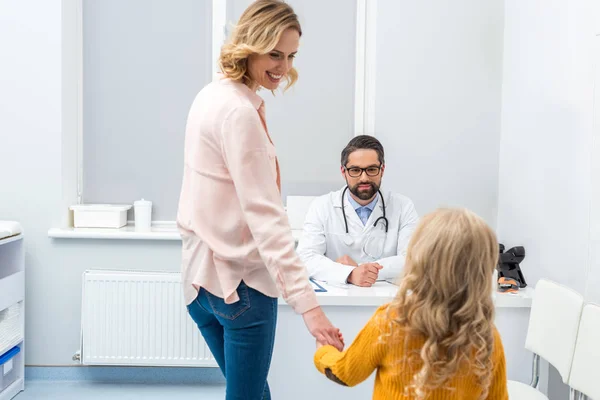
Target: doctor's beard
364, 194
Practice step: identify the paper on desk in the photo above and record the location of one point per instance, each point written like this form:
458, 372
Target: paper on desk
316, 286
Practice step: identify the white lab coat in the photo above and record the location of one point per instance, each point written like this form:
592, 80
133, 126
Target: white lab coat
324, 237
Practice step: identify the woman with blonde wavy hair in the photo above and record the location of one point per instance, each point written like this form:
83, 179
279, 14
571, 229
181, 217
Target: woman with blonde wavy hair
436, 340
238, 252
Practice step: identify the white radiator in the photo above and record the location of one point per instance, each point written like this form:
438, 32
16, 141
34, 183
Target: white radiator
138, 318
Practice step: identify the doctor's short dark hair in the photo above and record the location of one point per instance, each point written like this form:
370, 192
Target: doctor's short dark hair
363, 142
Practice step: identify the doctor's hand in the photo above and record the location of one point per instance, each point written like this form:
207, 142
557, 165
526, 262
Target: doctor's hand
365, 274
346, 260
321, 328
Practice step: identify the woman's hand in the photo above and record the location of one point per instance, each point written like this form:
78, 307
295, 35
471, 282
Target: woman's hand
321, 328
321, 344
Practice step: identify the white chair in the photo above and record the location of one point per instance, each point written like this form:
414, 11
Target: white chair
584, 376
297, 207
552, 332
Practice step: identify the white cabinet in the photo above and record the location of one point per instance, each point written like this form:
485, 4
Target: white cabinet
12, 317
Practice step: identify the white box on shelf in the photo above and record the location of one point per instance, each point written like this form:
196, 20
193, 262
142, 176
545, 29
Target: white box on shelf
100, 215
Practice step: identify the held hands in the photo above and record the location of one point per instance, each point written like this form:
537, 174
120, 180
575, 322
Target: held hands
321, 328
321, 344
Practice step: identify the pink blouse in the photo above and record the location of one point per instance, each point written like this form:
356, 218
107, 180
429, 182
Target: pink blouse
231, 216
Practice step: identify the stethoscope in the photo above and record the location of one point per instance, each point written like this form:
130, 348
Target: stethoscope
348, 240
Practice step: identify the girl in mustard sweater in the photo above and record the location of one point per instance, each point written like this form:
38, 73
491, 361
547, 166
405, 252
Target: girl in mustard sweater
436, 340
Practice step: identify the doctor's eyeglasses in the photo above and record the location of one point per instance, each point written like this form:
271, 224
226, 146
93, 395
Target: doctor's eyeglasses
356, 172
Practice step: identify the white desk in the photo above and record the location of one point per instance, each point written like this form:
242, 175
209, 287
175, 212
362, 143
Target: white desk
294, 377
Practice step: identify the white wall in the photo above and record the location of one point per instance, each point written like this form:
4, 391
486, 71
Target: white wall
546, 137
596, 14
438, 101
30, 164
30, 191
592, 289
545, 171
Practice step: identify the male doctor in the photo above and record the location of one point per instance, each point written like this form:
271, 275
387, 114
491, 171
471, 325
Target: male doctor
358, 234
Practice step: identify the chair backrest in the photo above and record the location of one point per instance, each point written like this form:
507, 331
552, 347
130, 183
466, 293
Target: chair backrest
584, 375
297, 207
553, 324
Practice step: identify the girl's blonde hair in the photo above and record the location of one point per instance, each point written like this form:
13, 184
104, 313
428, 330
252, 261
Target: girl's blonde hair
258, 31
445, 297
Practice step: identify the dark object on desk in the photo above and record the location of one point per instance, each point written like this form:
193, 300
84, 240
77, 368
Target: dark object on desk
508, 264
507, 285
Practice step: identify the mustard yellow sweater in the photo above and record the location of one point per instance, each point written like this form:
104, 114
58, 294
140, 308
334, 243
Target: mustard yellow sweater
371, 351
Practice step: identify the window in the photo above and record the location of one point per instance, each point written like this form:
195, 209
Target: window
142, 62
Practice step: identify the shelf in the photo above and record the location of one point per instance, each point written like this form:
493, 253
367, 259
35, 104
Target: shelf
13, 389
159, 231
12, 289
11, 239
13, 344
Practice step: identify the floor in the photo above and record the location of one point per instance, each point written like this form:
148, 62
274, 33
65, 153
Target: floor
61, 390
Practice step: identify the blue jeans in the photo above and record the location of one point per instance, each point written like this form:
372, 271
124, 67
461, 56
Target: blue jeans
241, 337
